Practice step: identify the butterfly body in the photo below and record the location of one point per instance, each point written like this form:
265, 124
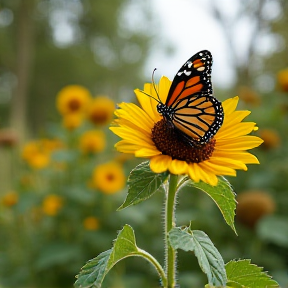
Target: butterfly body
190, 107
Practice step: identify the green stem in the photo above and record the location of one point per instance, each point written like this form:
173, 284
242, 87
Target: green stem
156, 264
170, 257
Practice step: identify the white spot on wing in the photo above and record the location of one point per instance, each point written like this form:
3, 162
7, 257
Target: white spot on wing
187, 73
201, 68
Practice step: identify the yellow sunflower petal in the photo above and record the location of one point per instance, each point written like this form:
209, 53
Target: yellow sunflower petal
230, 105
207, 176
237, 130
126, 132
130, 126
134, 114
151, 89
126, 146
135, 138
193, 172
228, 162
164, 86
240, 143
178, 167
234, 118
156, 91
146, 152
160, 163
145, 102
218, 169
243, 156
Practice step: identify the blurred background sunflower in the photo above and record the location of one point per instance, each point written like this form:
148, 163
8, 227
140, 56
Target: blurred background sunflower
64, 66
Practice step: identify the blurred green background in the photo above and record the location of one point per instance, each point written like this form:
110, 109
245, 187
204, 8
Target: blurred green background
63, 65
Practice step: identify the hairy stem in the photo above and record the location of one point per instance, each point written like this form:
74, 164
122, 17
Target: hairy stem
170, 253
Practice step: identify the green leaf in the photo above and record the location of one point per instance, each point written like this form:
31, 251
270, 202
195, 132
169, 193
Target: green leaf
94, 271
209, 258
224, 197
142, 184
243, 274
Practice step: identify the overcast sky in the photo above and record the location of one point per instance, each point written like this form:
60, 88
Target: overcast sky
190, 27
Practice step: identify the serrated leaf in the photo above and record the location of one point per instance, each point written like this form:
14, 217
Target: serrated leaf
247, 275
93, 272
142, 184
209, 258
224, 197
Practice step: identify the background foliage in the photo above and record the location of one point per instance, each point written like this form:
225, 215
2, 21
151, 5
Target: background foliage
52, 217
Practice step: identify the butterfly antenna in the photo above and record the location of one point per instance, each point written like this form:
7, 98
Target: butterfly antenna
150, 96
154, 85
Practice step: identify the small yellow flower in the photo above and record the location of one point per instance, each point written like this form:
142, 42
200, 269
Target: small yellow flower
39, 160
252, 206
73, 99
91, 223
52, 204
72, 121
10, 199
29, 149
100, 111
35, 155
109, 178
225, 153
282, 78
92, 141
51, 145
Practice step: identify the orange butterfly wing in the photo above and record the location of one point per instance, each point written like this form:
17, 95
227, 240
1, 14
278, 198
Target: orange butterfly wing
199, 117
195, 112
193, 77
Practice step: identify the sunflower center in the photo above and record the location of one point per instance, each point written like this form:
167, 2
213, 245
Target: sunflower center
74, 104
99, 117
170, 142
110, 177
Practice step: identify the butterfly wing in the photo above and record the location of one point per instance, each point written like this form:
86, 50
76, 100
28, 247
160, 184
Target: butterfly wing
193, 77
190, 104
198, 116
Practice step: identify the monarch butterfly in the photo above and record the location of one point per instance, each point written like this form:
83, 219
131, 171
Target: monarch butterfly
190, 107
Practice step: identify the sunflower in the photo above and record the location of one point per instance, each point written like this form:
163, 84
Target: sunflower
35, 154
109, 178
100, 110
143, 134
92, 141
52, 204
38, 153
10, 199
282, 79
72, 121
91, 223
73, 99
